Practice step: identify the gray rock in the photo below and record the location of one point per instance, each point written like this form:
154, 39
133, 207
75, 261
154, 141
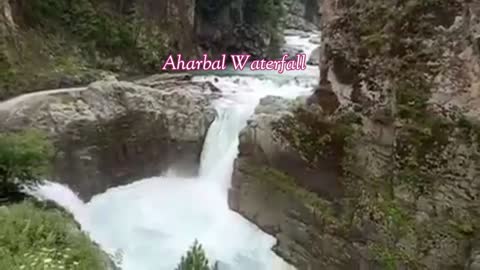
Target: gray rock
315, 40
474, 261
302, 15
314, 57
116, 132
291, 51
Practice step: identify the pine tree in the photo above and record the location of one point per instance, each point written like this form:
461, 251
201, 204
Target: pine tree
195, 259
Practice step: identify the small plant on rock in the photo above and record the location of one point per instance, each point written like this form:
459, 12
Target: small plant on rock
195, 259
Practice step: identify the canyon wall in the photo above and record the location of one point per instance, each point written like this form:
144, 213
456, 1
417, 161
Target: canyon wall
379, 168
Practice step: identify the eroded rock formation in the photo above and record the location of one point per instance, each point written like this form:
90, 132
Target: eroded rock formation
115, 132
396, 116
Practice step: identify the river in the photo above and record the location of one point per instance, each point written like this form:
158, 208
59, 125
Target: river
153, 222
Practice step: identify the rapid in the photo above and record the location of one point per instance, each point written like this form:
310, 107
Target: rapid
151, 223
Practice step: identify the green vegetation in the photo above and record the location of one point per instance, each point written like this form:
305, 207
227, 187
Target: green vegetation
409, 59
61, 43
413, 156
24, 159
98, 29
265, 12
314, 135
34, 238
284, 183
397, 50
195, 259
36, 60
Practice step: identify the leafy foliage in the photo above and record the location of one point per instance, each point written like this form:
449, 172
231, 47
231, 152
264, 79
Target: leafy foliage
195, 259
33, 238
24, 159
99, 28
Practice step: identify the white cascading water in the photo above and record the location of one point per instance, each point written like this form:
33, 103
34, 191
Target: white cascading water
153, 222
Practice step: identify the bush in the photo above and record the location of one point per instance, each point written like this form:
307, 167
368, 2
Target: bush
33, 238
24, 158
195, 259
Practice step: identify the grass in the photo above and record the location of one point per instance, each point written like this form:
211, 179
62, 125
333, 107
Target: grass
34, 238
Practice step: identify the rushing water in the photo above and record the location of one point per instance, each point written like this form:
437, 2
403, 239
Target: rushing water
153, 222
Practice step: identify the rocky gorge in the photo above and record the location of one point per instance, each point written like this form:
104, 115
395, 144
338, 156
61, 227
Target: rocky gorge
377, 169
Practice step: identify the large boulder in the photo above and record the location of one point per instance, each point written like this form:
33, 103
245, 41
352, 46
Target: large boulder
114, 132
273, 184
261, 144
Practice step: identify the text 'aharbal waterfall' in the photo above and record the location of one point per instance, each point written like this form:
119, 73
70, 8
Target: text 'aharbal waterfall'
153, 222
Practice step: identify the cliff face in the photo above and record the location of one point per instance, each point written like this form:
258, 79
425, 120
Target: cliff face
384, 173
177, 17
239, 26
224, 27
302, 14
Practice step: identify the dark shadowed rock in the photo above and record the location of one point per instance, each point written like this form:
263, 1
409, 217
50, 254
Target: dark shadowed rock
315, 57
326, 98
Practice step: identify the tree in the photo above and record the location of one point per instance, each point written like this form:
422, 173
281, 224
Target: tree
195, 259
24, 159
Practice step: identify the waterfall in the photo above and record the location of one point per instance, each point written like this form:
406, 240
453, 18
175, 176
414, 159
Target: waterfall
220, 145
153, 222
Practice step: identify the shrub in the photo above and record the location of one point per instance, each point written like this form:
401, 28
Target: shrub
24, 159
195, 259
33, 238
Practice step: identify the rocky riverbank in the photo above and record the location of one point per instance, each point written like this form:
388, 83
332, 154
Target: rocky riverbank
112, 132
381, 170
